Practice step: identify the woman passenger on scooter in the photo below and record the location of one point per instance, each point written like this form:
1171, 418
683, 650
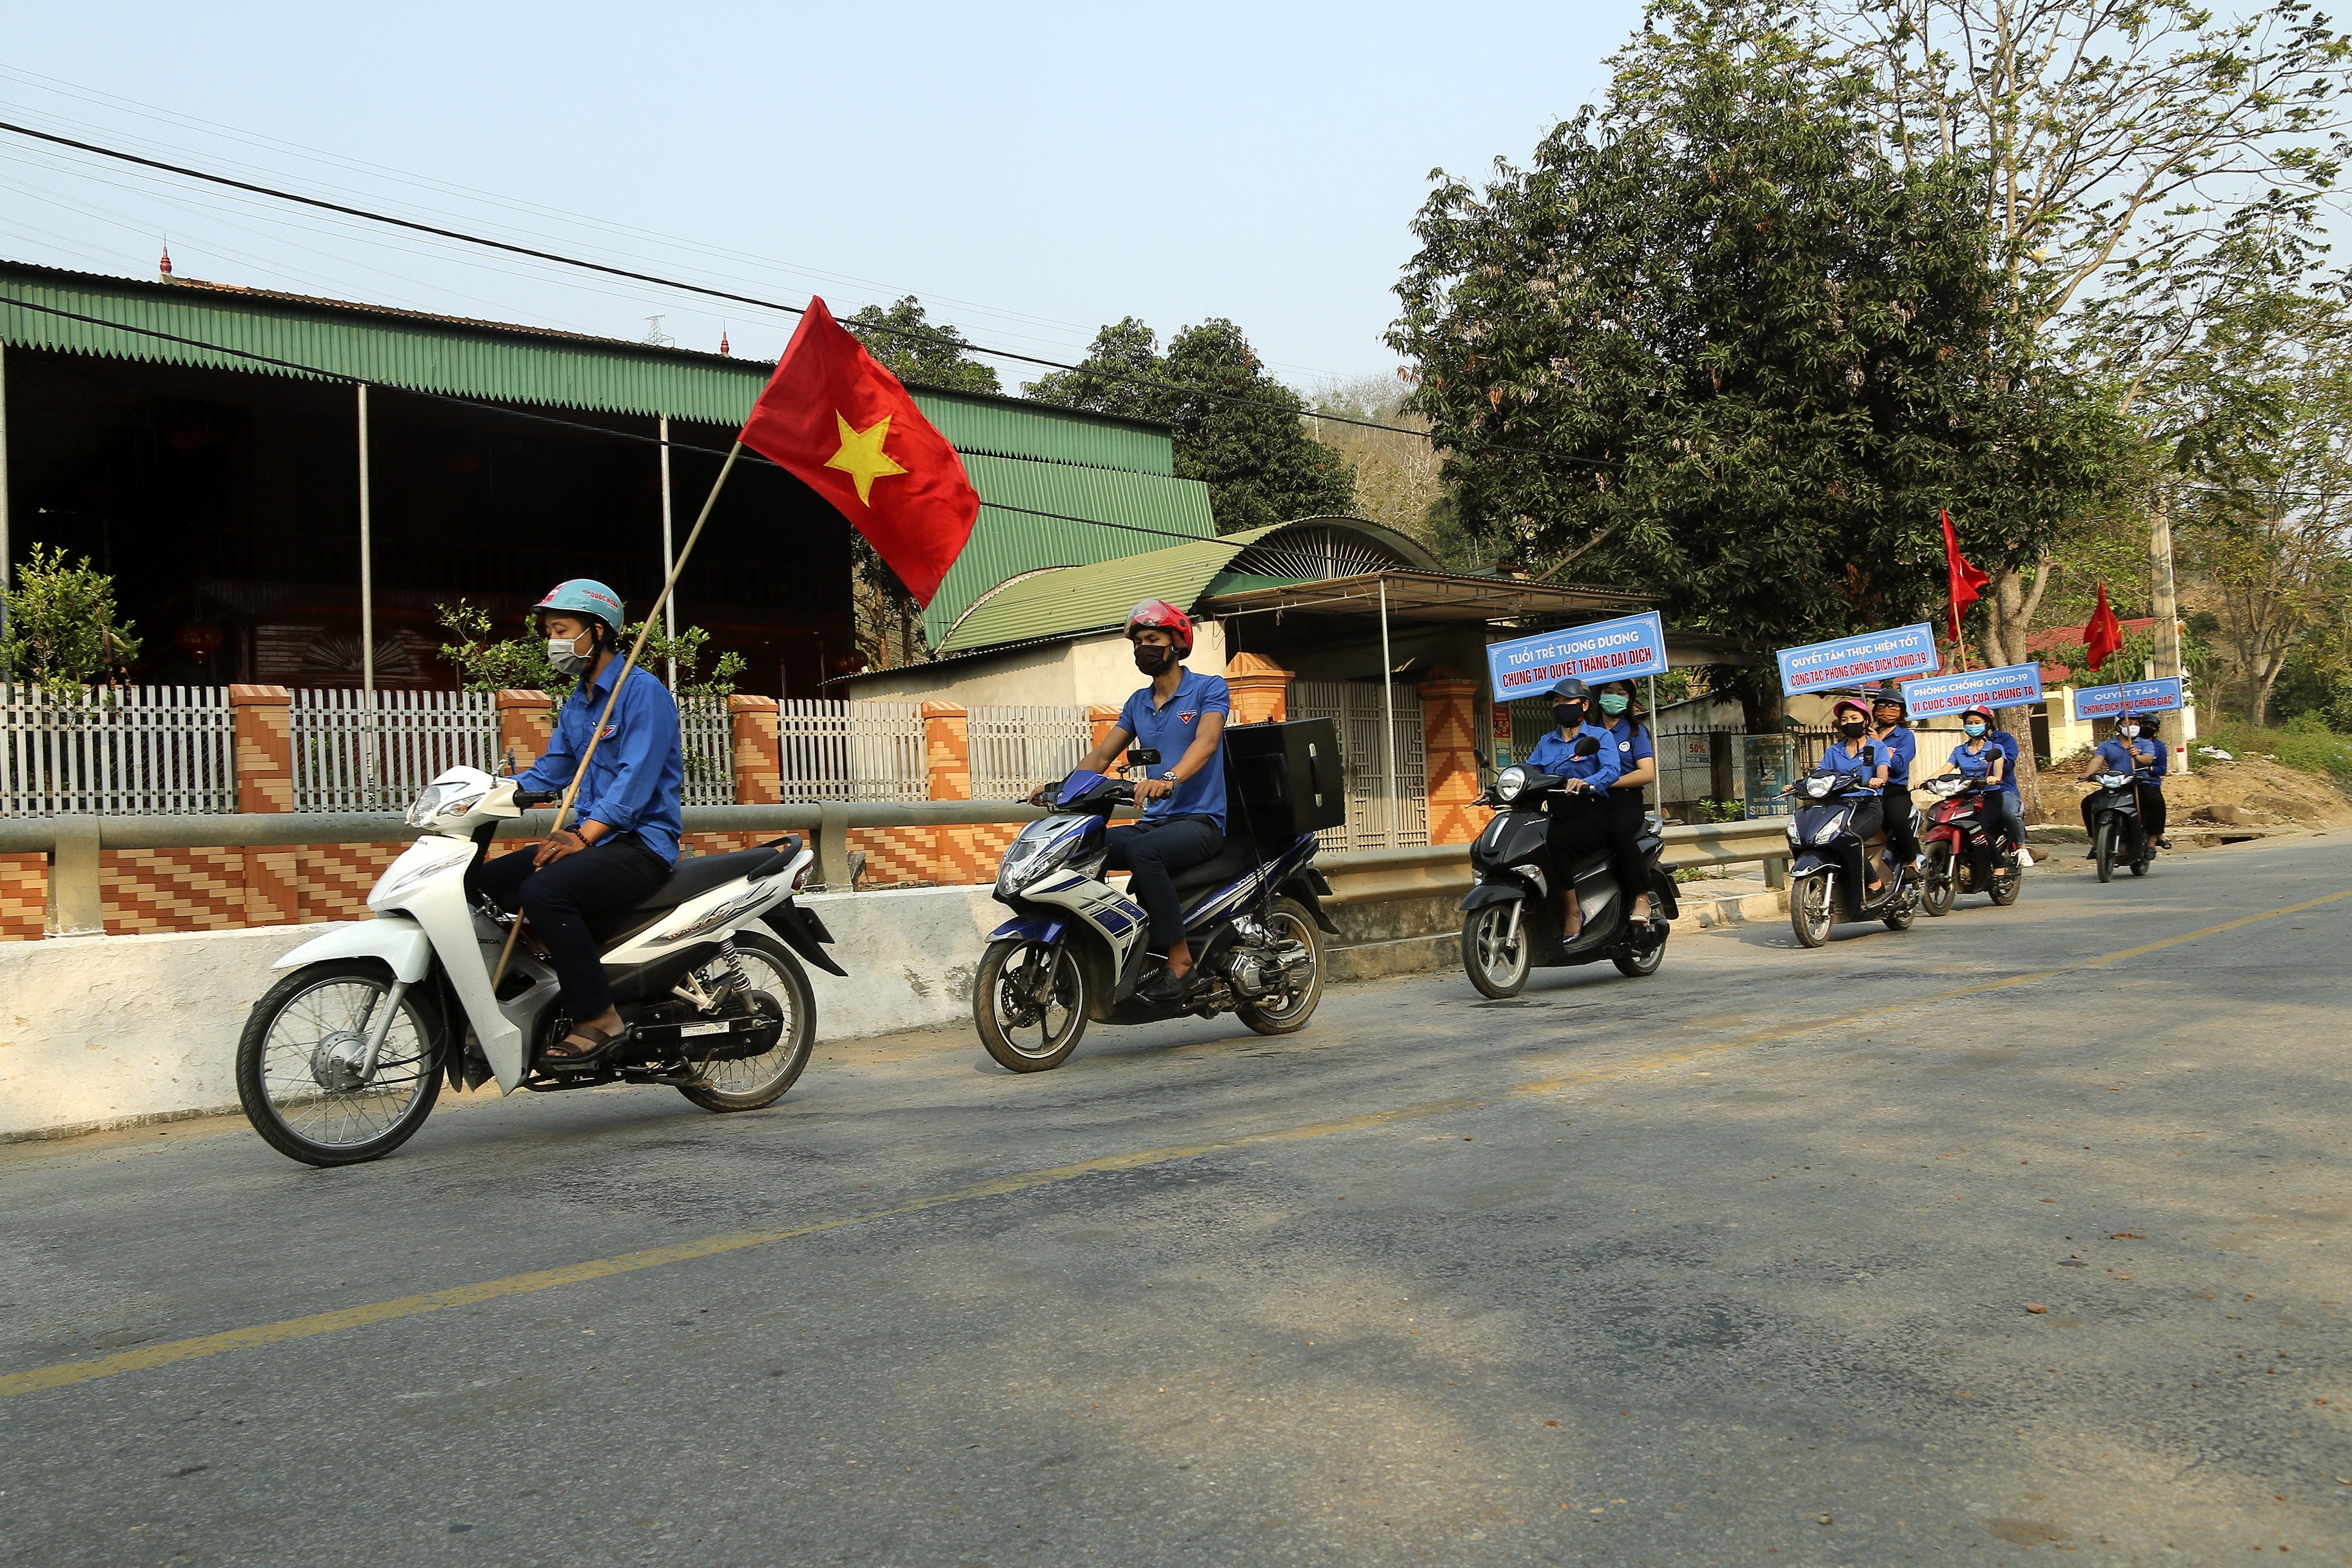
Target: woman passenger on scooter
1580, 817
1982, 762
1637, 760
1861, 762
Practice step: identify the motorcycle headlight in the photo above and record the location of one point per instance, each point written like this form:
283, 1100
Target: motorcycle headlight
2115, 780
1030, 860
1510, 783
444, 799
1793, 838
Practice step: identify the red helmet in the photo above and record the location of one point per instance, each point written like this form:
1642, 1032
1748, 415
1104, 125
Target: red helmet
1166, 617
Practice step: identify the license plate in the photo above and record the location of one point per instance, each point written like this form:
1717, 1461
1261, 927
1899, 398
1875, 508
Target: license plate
689, 1031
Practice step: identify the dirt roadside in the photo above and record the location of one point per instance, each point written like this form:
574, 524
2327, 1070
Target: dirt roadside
2247, 792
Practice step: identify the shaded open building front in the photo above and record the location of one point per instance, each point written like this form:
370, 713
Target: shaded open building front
223, 491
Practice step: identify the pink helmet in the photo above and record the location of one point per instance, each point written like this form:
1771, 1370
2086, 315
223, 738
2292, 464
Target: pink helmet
1166, 617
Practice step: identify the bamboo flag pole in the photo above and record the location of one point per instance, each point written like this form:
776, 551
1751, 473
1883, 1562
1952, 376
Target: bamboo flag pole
645, 630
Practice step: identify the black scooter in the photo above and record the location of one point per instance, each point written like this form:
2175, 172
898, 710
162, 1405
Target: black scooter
1511, 919
1826, 879
2117, 831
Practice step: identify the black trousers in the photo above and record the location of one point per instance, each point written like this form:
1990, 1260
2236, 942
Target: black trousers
559, 898
2151, 810
1151, 853
1901, 844
1626, 810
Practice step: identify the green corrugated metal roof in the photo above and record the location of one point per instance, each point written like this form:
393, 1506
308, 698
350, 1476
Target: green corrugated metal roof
1004, 544
1085, 598
506, 363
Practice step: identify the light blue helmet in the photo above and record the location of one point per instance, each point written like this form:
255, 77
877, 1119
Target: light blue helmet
584, 596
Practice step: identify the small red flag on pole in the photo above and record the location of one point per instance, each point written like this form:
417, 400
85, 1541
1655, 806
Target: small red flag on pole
843, 426
2102, 636
1964, 582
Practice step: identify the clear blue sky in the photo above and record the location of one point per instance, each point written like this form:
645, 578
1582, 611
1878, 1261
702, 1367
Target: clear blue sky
1030, 171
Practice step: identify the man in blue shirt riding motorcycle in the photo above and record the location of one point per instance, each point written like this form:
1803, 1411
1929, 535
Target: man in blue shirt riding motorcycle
2134, 749
1580, 819
625, 821
1182, 716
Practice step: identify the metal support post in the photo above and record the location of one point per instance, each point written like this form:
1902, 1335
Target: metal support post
367, 619
77, 906
669, 605
3, 492
1387, 715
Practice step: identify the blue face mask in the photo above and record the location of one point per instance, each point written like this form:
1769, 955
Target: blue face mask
1973, 730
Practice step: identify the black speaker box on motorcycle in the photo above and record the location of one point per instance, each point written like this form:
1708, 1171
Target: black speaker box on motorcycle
1283, 780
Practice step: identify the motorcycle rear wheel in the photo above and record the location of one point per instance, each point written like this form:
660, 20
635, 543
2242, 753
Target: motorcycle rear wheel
1022, 1031
2006, 888
297, 1065
780, 988
1808, 910
2104, 848
1291, 925
1902, 913
1500, 972
1637, 963
1941, 891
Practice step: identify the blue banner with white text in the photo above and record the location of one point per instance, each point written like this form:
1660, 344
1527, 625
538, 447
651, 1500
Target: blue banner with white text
1622, 649
1858, 660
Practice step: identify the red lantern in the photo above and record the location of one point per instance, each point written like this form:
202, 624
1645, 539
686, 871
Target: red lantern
198, 639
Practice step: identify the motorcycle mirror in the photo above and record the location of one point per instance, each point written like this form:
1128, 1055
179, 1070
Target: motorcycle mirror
1142, 757
1587, 746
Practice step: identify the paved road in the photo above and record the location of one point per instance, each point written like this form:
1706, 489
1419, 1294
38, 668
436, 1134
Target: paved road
2008, 1236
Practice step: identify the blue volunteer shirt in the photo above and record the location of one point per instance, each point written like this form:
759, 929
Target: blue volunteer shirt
1632, 741
2008, 744
2139, 755
1856, 768
1977, 764
1169, 728
1557, 757
1903, 746
638, 777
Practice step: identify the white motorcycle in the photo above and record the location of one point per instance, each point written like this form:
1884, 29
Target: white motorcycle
342, 1059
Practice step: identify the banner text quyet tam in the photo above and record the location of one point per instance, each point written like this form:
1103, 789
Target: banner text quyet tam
1870, 656
2133, 696
1620, 649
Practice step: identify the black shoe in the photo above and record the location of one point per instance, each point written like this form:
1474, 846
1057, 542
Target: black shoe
1166, 989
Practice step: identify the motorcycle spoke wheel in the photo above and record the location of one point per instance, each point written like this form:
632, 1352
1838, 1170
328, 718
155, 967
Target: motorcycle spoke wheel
1941, 889
780, 989
299, 1064
1808, 910
1296, 935
1029, 1004
1496, 967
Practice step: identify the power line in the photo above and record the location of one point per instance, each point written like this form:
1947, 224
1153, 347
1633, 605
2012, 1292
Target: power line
750, 300
313, 371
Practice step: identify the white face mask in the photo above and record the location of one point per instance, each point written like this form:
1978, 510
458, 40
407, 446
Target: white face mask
2131, 732
565, 655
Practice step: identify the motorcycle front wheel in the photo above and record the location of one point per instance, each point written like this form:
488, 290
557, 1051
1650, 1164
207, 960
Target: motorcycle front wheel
2104, 848
1295, 934
1498, 968
1809, 909
1029, 1003
1941, 889
780, 989
302, 1073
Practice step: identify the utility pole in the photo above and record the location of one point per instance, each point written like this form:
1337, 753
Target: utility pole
2173, 727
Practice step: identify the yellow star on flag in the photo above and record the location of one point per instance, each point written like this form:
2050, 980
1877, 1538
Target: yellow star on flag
861, 455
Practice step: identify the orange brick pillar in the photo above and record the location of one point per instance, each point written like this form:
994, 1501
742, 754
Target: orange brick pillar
265, 782
1104, 720
1260, 689
758, 758
1449, 715
526, 725
947, 757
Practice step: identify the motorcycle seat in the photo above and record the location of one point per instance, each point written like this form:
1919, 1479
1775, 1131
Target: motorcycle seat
1236, 859
702, 873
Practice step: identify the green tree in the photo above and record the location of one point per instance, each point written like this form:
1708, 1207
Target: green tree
61, 633
487, 662
1716, 341
919, 350
1236, 427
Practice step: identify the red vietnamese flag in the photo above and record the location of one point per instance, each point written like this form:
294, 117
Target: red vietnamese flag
1963, 579
2104, 635
843, 427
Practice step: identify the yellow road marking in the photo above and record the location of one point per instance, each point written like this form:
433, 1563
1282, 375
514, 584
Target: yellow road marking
146, 1357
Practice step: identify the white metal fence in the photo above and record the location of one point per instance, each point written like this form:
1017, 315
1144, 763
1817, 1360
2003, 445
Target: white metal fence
1015, 748
851, 751
707, 734
350, 756
143, 749
1376, 819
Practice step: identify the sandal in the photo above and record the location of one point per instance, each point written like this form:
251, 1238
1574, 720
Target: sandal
579, 1048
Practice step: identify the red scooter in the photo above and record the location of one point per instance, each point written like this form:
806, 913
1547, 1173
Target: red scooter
1964, 854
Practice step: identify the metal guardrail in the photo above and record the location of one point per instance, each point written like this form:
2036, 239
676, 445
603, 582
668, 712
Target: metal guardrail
1357, 876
